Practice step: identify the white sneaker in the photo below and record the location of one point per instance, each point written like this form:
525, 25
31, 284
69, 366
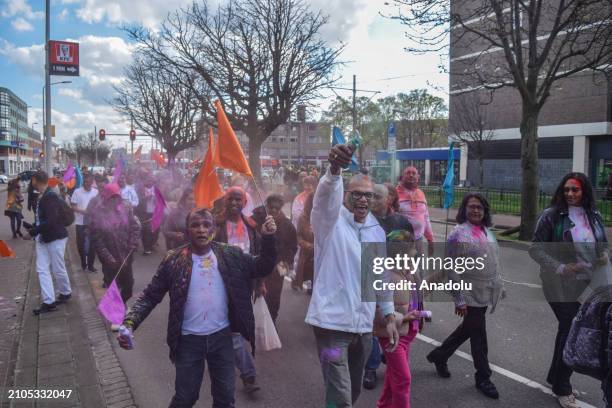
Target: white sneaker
567, 401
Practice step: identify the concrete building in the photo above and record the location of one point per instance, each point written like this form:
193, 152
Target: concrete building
575, 124
20, 145
298, 143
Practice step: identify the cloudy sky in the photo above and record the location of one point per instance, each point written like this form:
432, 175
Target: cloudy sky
374, 53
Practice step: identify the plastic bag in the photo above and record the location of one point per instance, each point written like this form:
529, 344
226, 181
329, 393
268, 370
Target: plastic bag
266, 337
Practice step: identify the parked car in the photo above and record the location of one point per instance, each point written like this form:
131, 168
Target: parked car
3, 179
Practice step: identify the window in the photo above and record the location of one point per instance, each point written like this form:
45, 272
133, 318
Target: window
293, 140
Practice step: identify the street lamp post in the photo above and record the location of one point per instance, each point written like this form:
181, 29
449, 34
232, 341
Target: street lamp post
46, 125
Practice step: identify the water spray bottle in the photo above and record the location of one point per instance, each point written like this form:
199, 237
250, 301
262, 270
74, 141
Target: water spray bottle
353, 143
125, 332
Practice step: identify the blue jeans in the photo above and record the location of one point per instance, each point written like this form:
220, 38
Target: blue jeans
243, 359
375, 356
191, 355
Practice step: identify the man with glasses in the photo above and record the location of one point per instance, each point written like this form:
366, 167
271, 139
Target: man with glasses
413, 206
342, 322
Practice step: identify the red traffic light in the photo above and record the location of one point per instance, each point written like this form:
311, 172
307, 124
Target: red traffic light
132, 135
102, 134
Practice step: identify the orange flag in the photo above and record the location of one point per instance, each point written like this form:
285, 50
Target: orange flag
137, 153
159, 159
5, 250
230, 154
207, 188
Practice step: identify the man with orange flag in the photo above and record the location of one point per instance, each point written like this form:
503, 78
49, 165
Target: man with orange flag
207, 189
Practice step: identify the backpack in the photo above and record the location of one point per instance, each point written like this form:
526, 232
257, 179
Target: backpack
586, 348
67, 213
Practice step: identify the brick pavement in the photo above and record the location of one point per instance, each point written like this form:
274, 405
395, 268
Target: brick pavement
67, 349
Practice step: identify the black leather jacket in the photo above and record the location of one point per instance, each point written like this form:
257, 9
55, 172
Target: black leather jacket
554, 226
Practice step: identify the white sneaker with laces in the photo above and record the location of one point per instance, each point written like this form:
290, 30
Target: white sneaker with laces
567, 401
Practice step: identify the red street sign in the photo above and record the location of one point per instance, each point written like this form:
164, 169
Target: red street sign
63, 58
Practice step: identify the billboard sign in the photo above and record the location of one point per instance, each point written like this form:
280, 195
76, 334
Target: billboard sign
63, 58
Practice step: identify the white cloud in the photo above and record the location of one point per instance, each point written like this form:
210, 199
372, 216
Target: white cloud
29, 59
63, 15
12, 8
21, 24
150, 13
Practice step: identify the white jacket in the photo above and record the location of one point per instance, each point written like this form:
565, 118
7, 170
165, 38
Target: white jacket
336, 296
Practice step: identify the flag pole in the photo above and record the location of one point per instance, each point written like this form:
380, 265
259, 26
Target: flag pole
259, 194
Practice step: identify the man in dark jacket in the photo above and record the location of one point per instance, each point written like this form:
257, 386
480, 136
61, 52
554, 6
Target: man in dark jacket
51, 237
286, 247
210, 297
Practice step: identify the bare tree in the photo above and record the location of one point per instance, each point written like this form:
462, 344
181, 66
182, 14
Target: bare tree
527, 45
259, 57
163, 102
470, 125
86, 145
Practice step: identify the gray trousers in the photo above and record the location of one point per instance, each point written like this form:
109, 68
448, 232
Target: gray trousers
343, 356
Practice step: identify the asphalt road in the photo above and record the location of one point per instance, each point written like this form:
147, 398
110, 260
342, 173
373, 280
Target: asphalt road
521, 337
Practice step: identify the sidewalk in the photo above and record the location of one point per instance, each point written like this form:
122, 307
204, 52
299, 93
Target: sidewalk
500, 220
68, 349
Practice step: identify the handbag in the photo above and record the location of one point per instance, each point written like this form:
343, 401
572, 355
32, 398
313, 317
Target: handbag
266, 336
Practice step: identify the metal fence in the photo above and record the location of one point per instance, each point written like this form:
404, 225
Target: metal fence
508, 202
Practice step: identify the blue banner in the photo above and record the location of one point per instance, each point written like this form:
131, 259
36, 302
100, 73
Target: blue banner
449, 180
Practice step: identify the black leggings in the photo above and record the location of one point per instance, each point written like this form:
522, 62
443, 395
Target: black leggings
15, 223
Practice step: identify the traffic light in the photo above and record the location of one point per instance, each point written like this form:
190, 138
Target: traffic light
102, 135
132, 135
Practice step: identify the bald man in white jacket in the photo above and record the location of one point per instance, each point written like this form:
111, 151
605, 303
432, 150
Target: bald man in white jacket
342, 321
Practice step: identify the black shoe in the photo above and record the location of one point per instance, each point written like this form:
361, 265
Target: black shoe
63, 298
488, 389
92, 269
369, 379
45, 308
250, 385
441, 368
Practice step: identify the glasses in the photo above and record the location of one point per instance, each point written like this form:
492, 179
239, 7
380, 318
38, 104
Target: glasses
358, 194
572, 189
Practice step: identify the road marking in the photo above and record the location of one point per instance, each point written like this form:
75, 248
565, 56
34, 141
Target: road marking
529, 285
504, 372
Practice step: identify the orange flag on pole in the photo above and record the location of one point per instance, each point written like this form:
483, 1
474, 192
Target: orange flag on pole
230, 154
5, 250
158, 157
137, 153
207, 189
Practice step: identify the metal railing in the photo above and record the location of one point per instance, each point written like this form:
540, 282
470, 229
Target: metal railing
509, 202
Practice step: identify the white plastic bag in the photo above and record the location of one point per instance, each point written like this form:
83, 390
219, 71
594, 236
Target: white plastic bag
266, 337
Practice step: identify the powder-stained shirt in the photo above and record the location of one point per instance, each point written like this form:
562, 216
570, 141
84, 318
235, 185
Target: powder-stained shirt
206, 308
238, 235
413, 206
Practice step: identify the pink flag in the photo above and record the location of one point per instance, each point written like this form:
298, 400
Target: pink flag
111, 306
118, 170
69, 173
158, 213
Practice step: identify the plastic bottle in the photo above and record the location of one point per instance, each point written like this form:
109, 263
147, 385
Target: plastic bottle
125, 332
353, 143
424, 314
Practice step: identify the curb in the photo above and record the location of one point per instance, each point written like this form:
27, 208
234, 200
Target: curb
113, 382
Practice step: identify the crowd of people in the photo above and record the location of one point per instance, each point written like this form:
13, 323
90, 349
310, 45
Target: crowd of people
219, 260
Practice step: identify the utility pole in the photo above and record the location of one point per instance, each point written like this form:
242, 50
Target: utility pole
47, 113
354, 103
95, 136
132, 127
18, 150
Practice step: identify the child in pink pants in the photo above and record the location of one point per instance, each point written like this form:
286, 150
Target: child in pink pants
396, 390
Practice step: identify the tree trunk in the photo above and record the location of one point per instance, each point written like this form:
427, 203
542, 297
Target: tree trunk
171, 159
255, 142
480, 171
529, 166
